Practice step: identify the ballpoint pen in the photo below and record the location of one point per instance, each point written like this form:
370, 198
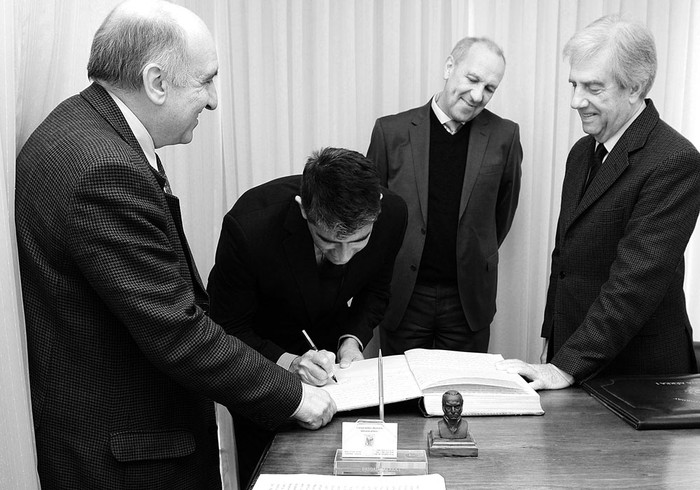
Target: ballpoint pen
313, 346
380, 367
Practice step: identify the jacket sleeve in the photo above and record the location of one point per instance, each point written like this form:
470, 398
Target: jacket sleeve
233, 292
120, 231
377, 152
509, 190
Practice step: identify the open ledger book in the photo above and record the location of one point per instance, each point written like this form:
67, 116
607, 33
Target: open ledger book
429, 373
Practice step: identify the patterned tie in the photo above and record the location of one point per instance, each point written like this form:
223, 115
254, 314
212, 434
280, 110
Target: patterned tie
595, 163
453, 126
161, 171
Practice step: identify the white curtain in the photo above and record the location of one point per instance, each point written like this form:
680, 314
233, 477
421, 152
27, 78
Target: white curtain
296, 75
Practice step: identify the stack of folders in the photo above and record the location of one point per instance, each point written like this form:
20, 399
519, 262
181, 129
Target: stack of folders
651, 402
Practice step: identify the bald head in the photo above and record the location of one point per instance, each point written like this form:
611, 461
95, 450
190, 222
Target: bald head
140, 32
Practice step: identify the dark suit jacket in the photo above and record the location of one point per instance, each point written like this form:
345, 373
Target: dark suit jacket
123, 360
400, 149
615, 302
264, 286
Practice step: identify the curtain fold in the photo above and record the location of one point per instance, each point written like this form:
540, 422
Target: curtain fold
17, 454
297, 75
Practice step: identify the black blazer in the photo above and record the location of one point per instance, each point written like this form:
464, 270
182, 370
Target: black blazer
400, 147
615, 302
123, 360
264, 286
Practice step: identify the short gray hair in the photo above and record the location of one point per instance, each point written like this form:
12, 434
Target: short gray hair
630, 45
463, 45
125, 44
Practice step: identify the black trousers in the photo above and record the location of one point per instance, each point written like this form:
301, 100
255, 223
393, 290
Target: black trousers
434, 319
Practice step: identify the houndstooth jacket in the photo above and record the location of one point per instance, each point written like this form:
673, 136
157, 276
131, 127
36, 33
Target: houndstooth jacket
124, 361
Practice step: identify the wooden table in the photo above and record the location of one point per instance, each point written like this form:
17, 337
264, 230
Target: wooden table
578, 443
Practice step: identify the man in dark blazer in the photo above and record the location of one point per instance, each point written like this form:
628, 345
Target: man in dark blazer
124, 362
458, 168
313, 252
615, 303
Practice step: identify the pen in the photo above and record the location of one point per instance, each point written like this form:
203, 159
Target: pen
380, 367
313, 346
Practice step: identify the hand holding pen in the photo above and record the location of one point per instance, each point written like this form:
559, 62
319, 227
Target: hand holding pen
315, 367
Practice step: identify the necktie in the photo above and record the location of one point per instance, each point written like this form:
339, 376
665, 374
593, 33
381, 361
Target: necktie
161, 171
453, 126
595, 163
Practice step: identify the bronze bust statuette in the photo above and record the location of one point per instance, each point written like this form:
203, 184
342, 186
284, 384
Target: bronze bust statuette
453, 438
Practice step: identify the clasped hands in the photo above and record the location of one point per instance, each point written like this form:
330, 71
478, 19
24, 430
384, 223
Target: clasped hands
318, 367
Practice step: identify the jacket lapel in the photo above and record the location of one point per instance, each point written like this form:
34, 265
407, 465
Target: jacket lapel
98, 97
574, 180
174, 207
612, 168
478, 141
419, 134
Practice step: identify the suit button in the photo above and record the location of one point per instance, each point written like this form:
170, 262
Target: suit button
414, 268
422, 230
562, 275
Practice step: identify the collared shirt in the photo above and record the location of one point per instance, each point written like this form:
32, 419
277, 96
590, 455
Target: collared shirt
442, 117
140, 132
612, 141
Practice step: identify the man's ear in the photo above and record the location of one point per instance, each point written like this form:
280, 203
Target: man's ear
635, 94
154, 84
449, 64
301, 208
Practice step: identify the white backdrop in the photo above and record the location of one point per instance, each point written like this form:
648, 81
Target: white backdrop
296, 75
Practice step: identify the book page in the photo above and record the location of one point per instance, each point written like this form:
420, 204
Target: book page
358, 386
328, 482
434, 367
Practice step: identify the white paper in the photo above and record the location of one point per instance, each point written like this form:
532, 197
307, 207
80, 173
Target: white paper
358, 385
370, 439
457, 366
329, 482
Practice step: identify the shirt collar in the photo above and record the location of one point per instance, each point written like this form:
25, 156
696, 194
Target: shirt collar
612, 141
442, 117
140, 132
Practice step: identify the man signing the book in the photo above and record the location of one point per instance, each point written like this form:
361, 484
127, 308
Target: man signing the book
314, 253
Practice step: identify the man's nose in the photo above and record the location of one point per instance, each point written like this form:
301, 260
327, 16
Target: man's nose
213, 100
477, 94
578, 99
344, 253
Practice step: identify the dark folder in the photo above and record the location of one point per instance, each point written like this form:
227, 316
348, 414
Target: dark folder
651, 402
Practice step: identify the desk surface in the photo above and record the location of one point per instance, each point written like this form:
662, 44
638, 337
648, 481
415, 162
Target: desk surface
578, 443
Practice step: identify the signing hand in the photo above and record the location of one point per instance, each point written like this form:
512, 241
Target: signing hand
314, 367
317, 408
349, 351
541, 376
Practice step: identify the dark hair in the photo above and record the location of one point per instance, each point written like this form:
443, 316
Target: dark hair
125, 44
340, 190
